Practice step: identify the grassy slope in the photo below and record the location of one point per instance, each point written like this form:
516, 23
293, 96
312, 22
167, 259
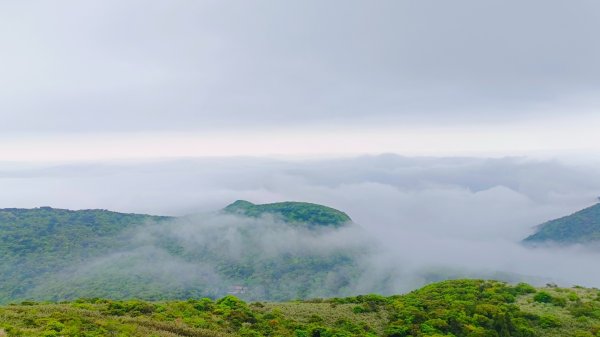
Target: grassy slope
579, 315
451, 308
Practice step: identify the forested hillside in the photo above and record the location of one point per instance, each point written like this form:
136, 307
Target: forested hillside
580, 227
36, 242
452, 308
293, 212
276, 251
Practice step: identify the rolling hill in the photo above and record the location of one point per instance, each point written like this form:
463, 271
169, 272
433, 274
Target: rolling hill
40, 241
301, 213
275, 251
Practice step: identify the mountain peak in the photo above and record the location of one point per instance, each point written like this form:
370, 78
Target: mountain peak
292, 212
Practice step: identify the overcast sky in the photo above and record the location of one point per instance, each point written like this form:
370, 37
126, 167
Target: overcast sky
131, 79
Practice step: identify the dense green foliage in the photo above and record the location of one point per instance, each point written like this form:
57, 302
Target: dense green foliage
35, 242
55, 254
461, 308
293, 212
579, 227
457, 308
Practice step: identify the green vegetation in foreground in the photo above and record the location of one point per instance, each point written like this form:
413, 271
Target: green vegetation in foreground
579, 227
293, 212
451, 308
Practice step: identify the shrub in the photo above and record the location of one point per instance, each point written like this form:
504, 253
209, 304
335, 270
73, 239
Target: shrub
231, 302
559, 301
542, 297
573, 297
133, 308
301, 333
524, 288
397, 331
205, 304
549, 321
359, 309
588, 309
55, 326
525, 331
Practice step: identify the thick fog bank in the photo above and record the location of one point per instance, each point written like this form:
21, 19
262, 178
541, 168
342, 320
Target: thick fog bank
420, 219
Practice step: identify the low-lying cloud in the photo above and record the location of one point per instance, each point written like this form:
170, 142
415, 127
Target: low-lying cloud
419, 219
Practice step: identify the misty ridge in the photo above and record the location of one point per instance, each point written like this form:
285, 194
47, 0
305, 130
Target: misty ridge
211, 254
196, 251
415, 221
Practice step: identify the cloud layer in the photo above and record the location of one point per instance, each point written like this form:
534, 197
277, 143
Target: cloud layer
156, 66
430, 217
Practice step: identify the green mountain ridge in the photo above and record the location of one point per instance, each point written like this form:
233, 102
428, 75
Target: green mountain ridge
581, 227
35, 242
57, 254
292, 212
295, 252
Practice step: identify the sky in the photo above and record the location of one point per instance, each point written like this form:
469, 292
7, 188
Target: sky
104, 80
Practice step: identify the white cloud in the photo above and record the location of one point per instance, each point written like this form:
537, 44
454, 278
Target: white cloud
151, 66
465, 214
